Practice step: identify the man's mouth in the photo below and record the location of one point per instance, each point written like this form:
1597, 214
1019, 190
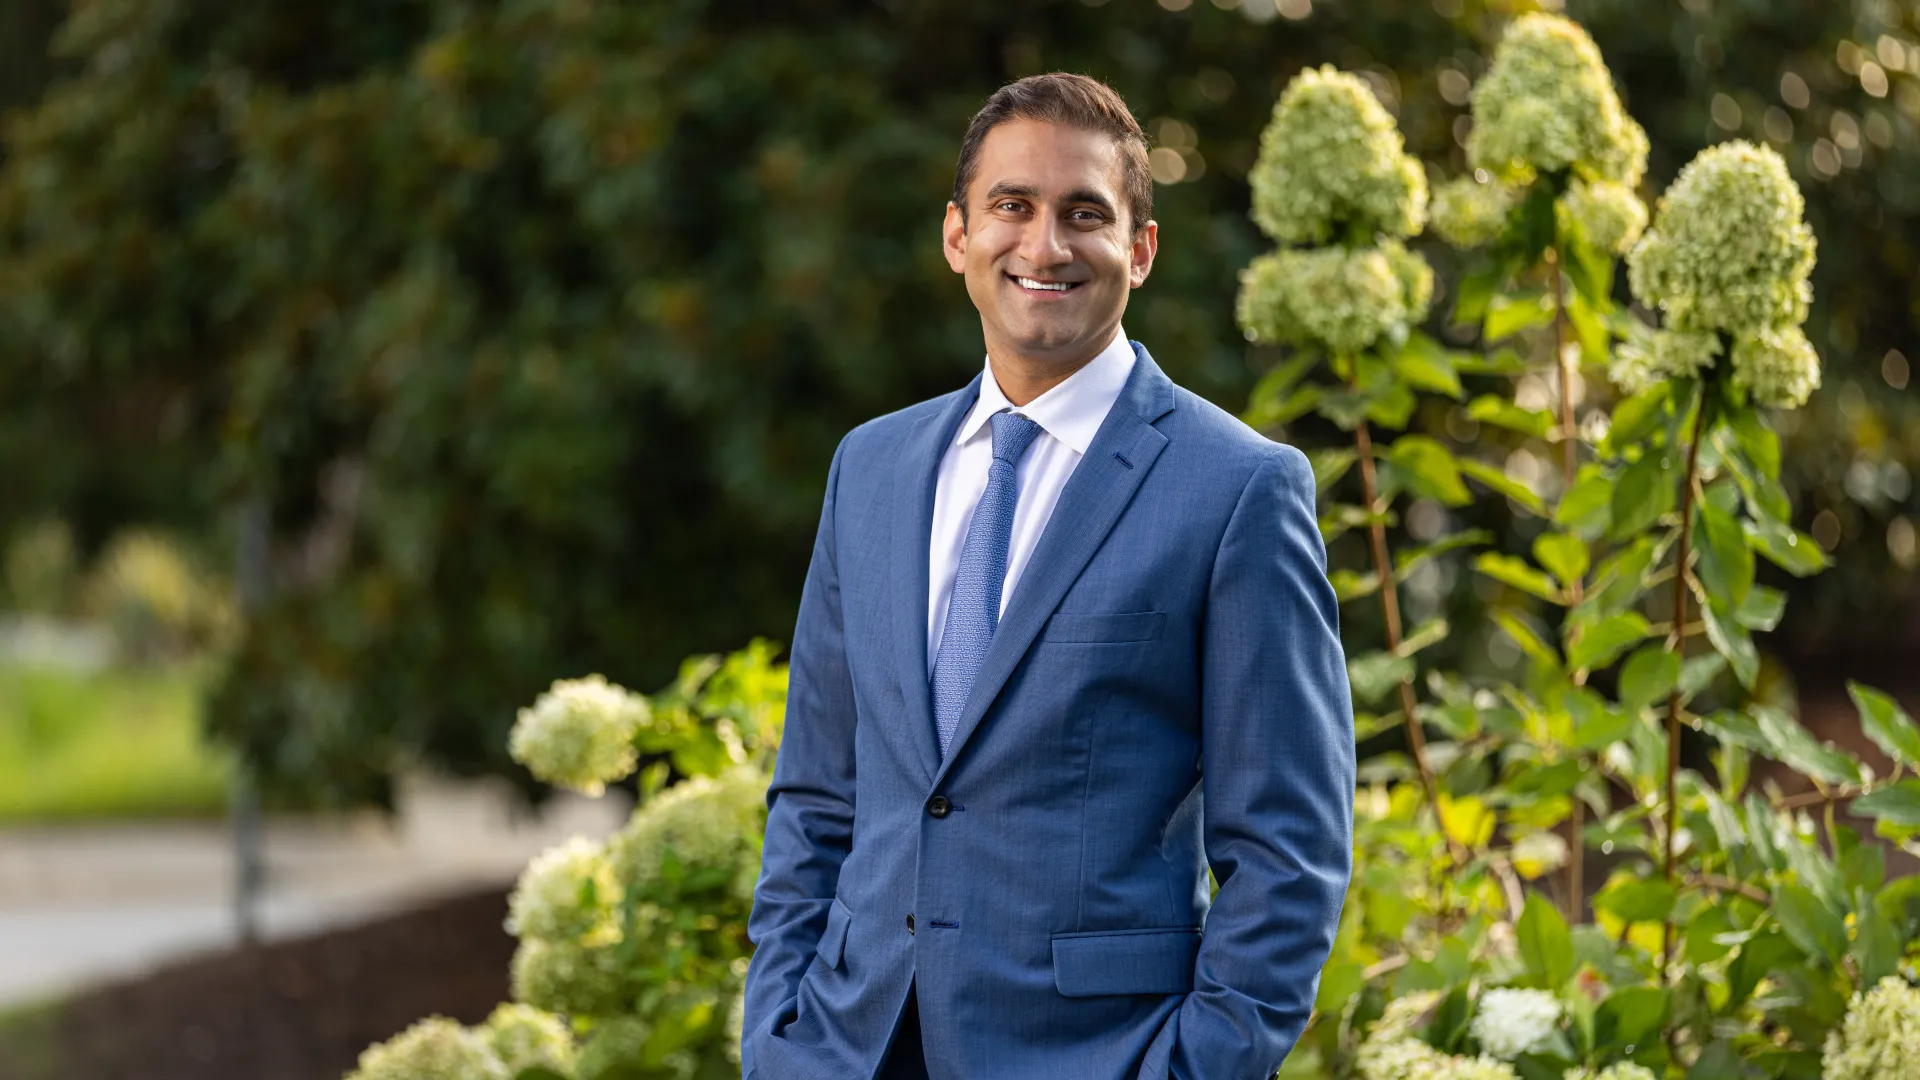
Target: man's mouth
1037, 285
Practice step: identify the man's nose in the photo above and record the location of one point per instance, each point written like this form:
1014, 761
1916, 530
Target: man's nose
1044, 243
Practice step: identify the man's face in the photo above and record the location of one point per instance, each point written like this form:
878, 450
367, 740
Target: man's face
1046, 247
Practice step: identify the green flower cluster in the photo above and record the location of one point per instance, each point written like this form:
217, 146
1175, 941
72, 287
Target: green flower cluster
524, 1037
1332, 163
1609, 215
579, 734
567, 892
1625, 1070
1547, 103
1647, 356
1880, 1036
614, 1043
572, 978
1469, 213
1729, 254
1345, 299
433, 1049
706, 824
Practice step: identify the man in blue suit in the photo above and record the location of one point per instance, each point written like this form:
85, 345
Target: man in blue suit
1066, 642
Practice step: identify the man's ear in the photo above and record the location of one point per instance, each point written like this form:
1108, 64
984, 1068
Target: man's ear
953, 239
1146, 242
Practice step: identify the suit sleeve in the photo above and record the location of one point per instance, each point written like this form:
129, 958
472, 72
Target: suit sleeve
810, 801
1278, 782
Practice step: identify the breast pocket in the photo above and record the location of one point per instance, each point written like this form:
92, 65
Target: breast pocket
1103, 626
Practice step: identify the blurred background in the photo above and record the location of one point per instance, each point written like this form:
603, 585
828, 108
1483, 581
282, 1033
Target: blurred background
367, 365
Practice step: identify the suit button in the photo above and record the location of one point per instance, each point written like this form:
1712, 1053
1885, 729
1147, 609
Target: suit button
938, 806
909, 922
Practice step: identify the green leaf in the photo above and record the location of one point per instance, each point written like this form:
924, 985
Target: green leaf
1339, 981
1629, 1017
1345, 408
1605, 640
1498, 362
1726, 562
1476, 293
1588, 330
1636, 899
1566, 556
1352, 584
1281, 377
1406, 559
1594, 724
1635, 418
1330, 465
1425, 365
1586, 508
1819, 931
1877, 947
1762, 608
1373, 674
1733, 642
1759, 445
1649, 675
1789, 743
1641, 493
1890, 728
1591, 272
1507, 315
1789, 549
1545, 945
1430, 469
1719, 1061
1528, 641
1501, 412
1696, 672
1516, 572
1497, 479
1898, 803
1431, 632
1391, 406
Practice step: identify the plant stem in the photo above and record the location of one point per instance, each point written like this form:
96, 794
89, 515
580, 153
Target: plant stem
1390, 610
1569, 466
1680, 650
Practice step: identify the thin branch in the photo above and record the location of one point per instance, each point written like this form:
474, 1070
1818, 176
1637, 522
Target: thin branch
1680, 650
1569, 467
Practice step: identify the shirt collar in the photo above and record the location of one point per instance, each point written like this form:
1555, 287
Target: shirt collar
1072, 409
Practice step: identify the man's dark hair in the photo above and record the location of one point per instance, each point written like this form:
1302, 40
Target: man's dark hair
1070, 100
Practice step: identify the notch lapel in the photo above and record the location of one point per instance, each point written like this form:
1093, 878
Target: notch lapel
1090, 503
915, 473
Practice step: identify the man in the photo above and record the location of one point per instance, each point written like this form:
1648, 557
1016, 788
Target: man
1066, 641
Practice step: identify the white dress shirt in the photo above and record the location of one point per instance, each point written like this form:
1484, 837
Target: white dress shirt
1068, 414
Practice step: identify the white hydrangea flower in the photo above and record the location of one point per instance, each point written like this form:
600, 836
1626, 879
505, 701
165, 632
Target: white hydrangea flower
433, 1049
1342, 299
1609, 215
579, 734
705, 822
571, 979
1392, 1052
1509, 1022
527, 1038
1880, 1036
1624, 1070
1331, 160
1468, 213
1547, 103
567, 892
1648, 356
1777, 365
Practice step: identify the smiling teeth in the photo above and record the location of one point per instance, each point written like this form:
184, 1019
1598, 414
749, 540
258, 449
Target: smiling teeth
1055, 286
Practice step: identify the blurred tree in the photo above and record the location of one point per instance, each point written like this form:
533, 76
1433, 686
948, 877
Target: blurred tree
535, 324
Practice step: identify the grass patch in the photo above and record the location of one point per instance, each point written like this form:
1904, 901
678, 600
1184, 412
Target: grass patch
111, 743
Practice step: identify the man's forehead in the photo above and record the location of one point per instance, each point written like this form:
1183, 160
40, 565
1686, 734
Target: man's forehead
1044, 160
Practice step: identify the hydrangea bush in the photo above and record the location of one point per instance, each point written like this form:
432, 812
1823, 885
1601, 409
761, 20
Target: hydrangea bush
632, 951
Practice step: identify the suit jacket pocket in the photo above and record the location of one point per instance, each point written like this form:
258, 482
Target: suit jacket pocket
1103, 626
1151, 961
833, 943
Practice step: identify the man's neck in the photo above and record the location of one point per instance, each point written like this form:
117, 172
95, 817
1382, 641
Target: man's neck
1023, 378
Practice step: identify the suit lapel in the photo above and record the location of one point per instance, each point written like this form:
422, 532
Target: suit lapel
915, 473
1089, 505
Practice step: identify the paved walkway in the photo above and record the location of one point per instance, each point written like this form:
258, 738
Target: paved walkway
82, 904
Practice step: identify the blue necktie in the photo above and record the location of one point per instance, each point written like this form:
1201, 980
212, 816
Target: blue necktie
974, 611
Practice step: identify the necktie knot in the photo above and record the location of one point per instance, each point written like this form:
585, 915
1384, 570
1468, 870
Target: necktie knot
1012, 434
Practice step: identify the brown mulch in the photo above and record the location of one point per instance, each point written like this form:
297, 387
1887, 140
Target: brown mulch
294, 1010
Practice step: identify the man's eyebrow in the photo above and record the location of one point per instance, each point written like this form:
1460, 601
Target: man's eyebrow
1027, 191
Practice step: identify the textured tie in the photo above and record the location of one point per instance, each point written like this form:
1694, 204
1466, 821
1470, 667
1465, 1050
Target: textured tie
974, 611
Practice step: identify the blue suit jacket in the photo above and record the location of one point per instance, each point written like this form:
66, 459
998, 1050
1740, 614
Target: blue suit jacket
1165, 692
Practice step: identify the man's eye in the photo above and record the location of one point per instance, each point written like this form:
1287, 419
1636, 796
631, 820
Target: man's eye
1007, 204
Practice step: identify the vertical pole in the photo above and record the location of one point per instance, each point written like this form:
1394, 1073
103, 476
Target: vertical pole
243, 802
